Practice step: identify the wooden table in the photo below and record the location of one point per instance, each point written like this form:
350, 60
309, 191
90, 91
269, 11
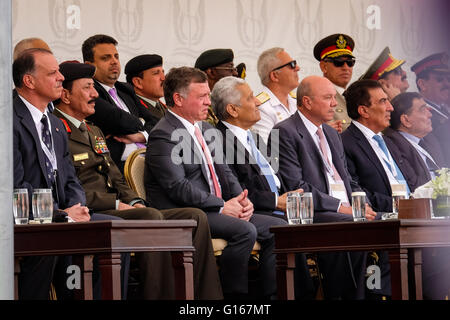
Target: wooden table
402, 238
107, 239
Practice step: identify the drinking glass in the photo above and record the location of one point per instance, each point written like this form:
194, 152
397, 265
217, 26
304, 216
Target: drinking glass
306, 208
43, 205
293, 207
359, 206
396, 196
20, 206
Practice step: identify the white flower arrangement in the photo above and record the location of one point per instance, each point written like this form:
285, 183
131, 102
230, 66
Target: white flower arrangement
440, 184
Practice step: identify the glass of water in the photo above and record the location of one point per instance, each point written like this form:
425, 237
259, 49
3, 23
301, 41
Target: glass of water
359, 206
293, 207
306, 208
42, 205
20, 206
396, 197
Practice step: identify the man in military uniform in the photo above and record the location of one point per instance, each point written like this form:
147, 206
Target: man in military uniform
279, 76
217, 64
389, 73
107, 192
335, 54
433, 82
146, 74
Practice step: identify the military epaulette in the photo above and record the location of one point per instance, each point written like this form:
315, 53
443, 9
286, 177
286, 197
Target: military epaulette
293, 94
66, 125
263, 97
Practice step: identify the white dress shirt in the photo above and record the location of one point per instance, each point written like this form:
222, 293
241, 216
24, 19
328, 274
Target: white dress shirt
273, 111
37, 114
129, 147
191, 130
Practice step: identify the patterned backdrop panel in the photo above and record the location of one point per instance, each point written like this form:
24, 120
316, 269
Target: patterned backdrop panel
180, 30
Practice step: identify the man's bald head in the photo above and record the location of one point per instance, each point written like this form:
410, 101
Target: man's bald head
316, 99
29, 43
309, 85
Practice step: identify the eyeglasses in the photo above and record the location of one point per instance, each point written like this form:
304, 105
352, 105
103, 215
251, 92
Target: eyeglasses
291, 64
339, 62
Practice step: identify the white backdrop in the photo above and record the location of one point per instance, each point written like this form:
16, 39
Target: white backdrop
180, 30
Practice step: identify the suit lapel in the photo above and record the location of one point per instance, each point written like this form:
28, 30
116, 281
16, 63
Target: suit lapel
365, 146
29, 125
241, 152
315, 154
196, 156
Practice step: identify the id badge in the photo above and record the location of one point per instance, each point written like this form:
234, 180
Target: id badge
338, 191
398, 188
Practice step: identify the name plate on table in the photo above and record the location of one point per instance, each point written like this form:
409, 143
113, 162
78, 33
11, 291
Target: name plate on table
414, 209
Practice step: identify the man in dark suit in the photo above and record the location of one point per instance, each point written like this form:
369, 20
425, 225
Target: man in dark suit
433, 83
41, 156
191, 173
145, 74
237, 110
369, 160
410, 125
107, 192
117, 114
312, 158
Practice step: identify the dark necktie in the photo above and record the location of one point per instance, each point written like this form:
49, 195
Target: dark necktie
83, 129
47, 139
160, 108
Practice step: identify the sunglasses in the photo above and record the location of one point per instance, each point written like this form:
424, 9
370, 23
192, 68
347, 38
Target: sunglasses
231, 69
291, 64
339, 63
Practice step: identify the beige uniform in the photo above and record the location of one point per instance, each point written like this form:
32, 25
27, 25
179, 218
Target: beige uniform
272, 111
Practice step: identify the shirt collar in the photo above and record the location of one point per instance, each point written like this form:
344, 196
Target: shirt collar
189, 126
410, 136
339, 89
368, 133
36, 114
106, 87
240, 133
152, 102
311, 127
74, 121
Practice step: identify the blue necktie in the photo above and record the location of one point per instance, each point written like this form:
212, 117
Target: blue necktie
264, 166
47, 139
399, 176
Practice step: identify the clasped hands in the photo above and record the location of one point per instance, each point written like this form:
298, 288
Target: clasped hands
239, 207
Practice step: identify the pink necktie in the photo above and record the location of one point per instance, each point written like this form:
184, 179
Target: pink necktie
200, 139
113, 94
323, 149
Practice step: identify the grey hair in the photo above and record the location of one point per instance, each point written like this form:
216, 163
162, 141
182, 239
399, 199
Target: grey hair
225, 93
267, 61
303, 90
